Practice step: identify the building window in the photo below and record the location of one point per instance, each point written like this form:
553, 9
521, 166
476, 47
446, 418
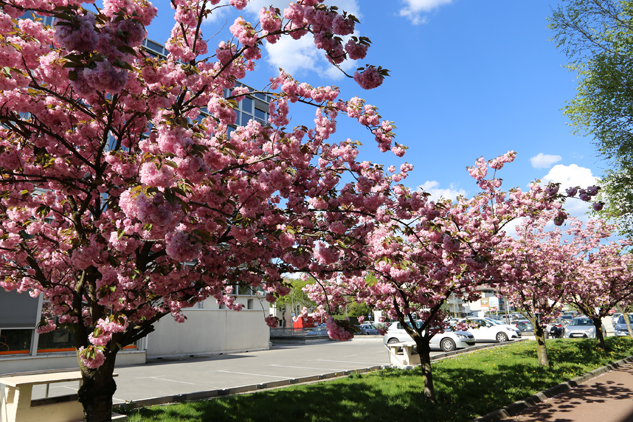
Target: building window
15, 342
59, 340
249, 304
245, 290
247, 105
260, 114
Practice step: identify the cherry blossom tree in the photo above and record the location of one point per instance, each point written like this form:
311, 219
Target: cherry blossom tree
541, 268
419, 252
604, 280
122, 200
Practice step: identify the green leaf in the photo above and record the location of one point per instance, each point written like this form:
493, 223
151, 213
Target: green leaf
121, 64
127, 49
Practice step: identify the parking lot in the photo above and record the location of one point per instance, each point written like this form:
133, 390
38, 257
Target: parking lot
169, 377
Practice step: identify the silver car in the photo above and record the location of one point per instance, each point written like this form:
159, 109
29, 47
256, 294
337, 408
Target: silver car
620, 326
447, 341
580, 327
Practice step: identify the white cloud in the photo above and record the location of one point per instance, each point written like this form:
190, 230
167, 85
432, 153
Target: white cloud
293, 56
350, 6
432, 187
570, 176
414, 8
544, 161
300, 56
218, 14
332, 72
511, 227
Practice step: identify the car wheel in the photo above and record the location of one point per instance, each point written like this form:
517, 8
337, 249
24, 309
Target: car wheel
393, 340
448, 345
501, 337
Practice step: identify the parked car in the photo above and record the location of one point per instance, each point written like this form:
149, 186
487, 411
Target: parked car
447, 341
523, 325
567, 318
319, 330
620, 326
366, 328
580, 327
556, 329
615, 317
489, 331
502, 324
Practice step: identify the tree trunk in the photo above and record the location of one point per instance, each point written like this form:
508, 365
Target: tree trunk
541, 347
97, 389
599, 333
424, 350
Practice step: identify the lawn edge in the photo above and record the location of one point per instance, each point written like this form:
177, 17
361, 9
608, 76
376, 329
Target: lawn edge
251, 388
515, 408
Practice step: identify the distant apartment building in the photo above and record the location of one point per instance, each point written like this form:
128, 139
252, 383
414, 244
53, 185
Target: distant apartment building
489, 302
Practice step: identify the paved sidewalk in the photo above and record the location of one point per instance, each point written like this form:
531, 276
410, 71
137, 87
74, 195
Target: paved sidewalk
605, 398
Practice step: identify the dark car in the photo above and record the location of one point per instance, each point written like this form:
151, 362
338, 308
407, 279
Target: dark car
524, 325
557, 328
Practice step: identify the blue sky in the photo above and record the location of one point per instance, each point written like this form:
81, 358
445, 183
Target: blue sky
468, 78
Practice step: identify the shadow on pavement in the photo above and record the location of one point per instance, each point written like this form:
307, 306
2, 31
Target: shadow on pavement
600, 400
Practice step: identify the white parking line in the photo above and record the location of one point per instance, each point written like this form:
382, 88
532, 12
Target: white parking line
159, 378
254, 375
308, 367
345, 361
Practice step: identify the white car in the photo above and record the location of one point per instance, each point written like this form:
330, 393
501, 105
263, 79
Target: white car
501, 324
447, 341
488, 331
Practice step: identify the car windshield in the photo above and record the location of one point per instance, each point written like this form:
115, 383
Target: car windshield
418, 324
621, 319
494, 321
580, 322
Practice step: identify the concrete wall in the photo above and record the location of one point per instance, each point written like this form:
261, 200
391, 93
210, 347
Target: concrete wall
210, 330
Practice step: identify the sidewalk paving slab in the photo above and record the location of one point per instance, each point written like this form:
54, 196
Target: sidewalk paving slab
604, 394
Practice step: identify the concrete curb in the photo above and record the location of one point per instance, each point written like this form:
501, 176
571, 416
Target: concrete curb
209, 394
515, 408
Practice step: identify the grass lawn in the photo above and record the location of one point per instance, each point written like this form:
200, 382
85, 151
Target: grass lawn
467, 386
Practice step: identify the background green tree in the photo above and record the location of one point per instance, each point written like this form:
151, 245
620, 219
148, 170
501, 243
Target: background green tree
597, 37
297, 298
